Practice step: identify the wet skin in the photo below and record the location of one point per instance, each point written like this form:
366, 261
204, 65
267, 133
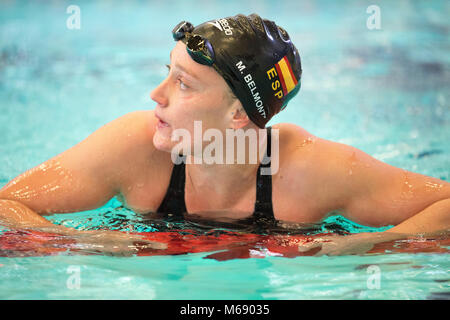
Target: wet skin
130, 158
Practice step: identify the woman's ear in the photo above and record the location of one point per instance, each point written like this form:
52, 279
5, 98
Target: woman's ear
239, 118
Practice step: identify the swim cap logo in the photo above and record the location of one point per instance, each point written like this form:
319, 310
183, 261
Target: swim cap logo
286, 80
222, 25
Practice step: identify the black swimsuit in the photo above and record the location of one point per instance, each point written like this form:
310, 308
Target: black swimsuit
175, 205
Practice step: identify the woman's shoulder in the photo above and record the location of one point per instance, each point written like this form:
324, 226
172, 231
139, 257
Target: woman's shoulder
144, 170
291, 138
291, 130
294, 190
139, 124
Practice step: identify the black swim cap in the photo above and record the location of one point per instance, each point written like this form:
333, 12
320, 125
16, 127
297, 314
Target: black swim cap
255, 57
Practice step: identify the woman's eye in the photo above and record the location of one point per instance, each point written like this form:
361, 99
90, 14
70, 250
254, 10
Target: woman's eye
182, 85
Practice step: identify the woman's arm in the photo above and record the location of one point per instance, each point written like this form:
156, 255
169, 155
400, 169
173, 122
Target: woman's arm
82, 178
371, 192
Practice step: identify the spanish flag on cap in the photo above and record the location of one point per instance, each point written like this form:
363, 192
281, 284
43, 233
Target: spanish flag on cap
287, 78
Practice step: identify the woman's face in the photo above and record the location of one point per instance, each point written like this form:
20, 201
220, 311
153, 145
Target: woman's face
191, 92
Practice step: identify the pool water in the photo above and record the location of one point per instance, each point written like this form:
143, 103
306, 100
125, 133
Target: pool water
383, 91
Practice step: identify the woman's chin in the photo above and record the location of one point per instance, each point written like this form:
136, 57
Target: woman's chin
162, 142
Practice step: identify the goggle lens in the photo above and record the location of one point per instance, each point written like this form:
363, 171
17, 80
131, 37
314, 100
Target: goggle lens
199, 48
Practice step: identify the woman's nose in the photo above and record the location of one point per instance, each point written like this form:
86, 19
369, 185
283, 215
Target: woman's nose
159, 94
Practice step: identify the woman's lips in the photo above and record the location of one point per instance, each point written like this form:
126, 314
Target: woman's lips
161, 124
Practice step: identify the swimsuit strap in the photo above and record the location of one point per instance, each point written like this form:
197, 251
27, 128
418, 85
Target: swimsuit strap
263, 204
173, 202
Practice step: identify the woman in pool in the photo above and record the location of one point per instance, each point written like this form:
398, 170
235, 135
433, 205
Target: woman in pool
228, 74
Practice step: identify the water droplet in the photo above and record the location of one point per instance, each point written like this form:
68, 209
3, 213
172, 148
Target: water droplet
309, 140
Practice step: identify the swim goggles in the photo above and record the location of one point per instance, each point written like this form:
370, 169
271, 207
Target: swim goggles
199, 48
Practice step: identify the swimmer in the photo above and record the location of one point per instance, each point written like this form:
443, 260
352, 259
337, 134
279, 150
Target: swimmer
233, 73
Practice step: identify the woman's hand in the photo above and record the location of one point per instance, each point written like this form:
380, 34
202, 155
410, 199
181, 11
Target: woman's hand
353, 244
105, 241
114, 242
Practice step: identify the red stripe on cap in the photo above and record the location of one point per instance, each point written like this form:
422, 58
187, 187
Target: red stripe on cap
280, 76
290, 69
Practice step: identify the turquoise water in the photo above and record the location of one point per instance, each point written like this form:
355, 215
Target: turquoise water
383, 91
403, 276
